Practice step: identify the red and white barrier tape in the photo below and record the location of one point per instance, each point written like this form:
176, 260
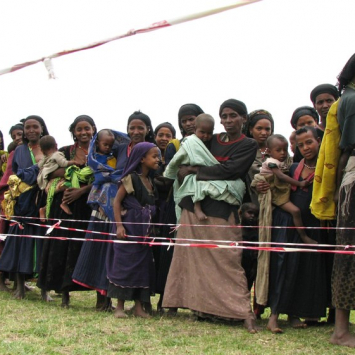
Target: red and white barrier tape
153, 27
231, 245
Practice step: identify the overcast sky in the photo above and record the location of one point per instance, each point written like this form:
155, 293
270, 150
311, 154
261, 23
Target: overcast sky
269, 54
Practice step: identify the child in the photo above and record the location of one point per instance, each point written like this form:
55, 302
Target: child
130, 267
194, 151
104, 143
52, 161
249, 214
273, 171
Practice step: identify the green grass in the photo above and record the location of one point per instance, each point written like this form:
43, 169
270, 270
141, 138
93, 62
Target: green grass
31, 326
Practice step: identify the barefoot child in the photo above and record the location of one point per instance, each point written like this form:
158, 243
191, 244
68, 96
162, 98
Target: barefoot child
272, 170
130, 267
194, 151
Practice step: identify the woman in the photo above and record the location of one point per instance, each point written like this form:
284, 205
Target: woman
344, 265
298, 285
212, 282
259, 126
301, 117
90, 270
164, 133
16, 133
21, 255
59, 257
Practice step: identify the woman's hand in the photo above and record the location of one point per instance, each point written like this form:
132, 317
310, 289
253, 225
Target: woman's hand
262, 187
121, 232
185, 170
4, 158
72, 194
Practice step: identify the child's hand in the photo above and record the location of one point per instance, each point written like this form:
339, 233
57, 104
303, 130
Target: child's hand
121, 233
304, 183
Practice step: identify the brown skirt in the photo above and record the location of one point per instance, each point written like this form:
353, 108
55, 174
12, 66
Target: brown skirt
208, 280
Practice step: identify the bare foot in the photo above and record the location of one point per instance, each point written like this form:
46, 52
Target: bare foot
65, 208
250, 325
119, 313
18, 295
345, 339
273, 325
3, 287
308, 240
42, 214
45, 296
147, 307
140, 313
29, 288
296, 323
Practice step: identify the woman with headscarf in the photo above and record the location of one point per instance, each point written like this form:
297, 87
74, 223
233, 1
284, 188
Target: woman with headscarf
16, 133
212, 282
301, 117
343, 278
130, 267
90, 270
59, 256
165, 135
259, 126
323, 96
21, 255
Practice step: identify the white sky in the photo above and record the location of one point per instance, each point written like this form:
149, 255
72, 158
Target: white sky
269, 54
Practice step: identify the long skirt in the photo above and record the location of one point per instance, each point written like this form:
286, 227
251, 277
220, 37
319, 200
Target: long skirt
343, 277
209, 281
90, 269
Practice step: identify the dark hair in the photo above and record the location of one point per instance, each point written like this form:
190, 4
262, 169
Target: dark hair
324, 89
167, 125
248, 205
236, 105
17, 126
103, 132
138, 115
306, 129
253, 119
81, 118
347, 74
12, 146
46, 143
273, 137
188, 110
40, 121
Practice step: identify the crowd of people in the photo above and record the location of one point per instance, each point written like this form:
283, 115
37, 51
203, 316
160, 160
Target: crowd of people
127, 190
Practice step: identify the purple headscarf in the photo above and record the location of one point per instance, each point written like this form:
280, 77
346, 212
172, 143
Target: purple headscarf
137, 153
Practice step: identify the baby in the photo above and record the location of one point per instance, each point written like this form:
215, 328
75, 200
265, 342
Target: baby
273, 170
194, 151
104, 143
52, 161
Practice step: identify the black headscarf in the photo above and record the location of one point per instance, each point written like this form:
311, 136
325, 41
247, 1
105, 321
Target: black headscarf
256, 116
235, 105
188, 110
167, 125
303, 111
138, 115
40, 121
324, 89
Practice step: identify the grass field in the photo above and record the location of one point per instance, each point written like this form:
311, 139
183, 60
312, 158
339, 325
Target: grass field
31, 326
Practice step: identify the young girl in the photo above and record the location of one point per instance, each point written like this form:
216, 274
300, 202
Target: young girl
273, 172
130, 267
